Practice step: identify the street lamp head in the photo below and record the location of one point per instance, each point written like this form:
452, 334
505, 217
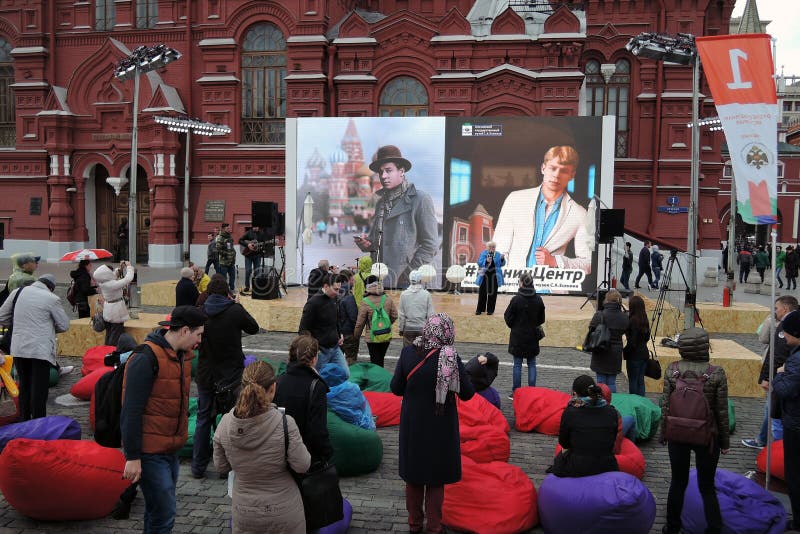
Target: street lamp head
145, 59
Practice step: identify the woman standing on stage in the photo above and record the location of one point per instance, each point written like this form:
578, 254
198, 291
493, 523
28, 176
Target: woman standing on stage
490, 278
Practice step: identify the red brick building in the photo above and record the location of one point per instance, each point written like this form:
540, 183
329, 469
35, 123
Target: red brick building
66, 122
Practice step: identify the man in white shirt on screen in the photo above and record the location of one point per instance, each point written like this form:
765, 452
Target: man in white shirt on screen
536, 225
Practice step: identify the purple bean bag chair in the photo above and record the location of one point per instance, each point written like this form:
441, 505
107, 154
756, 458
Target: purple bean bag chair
248, 359
341, 526
608, 503
45, 428
746, 507
491, 395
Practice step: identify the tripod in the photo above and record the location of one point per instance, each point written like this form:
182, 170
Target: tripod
666, 277
605, 283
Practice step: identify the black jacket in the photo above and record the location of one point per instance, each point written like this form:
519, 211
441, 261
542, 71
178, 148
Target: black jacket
636, 345
588, 433
791, 264
186, 293
627, 260
644, 259
482, 376
782, 351
293, 393
221, 356
524, 313
252, 235
348, 315
321, 318
83, 285
609, 362
315, 278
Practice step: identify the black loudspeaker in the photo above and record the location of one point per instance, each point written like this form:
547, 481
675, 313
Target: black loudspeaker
265, 284
265, 215
611, 225
281, 228
601, 298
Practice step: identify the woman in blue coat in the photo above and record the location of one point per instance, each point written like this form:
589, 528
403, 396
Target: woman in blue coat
428, 376
490, 278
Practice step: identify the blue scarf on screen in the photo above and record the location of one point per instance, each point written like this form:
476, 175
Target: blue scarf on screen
544, 225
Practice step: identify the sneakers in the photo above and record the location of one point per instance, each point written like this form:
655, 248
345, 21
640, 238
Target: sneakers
510, 396
245, 291
65, 370
197, 475
752, 443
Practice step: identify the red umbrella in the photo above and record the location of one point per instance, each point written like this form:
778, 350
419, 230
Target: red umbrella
86, 254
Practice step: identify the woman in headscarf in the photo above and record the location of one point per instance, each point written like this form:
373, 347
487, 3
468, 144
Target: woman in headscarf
428, 376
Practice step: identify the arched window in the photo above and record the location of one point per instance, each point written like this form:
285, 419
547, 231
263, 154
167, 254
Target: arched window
608, 93
8, 119
403, 97
264, 85
105, 15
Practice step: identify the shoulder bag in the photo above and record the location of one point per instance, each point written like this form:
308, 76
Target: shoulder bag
319, 487
599, 338
5, 341
98, 323
652, 368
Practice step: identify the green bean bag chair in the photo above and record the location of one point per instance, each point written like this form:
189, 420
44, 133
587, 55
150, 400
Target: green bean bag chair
278, 367
370, 377
731, 416
54, 377
195, 360
646, 413
356, 451
186, 451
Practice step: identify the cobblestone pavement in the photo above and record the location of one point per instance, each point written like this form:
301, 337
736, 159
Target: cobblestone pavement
378, 498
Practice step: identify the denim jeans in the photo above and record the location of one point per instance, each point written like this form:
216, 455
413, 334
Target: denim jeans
332, 355
778, 275
159, 478
777, 429
250, 263
517, 372
625, 279
201, 448
629, 427
636, 376
230, 272
609, 380
656, 277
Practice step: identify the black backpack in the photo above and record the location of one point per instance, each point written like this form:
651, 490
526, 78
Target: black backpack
690, 419
108, 402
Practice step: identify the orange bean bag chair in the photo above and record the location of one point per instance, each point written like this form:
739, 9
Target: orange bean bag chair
93, 358
61, 480
539, 409
778, 469
485, 443
385, 407
478, 411
84, 388
630, 458
492, 498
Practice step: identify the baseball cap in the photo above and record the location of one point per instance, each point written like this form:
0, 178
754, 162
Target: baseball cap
181, 316
791, 324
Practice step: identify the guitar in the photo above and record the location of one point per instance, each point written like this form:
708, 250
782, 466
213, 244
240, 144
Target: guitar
258, 246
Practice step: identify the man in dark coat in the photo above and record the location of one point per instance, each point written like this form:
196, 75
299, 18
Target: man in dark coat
220, 366
316, 276
84, 288
608, 363
644, 266
627, 266
186, 292
321, 319
251, 242
524, 316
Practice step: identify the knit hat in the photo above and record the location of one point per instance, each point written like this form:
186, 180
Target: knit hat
49, 280
791, 323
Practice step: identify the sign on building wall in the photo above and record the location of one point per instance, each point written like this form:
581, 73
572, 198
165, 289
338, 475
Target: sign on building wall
215, 211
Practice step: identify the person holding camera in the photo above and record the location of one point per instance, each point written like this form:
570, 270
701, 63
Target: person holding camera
112, 287
252, 243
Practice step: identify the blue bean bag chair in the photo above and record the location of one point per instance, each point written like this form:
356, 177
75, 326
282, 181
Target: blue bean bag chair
345, 398
248, 359
746, 507
646, 413
341, 526
45, 428
491, 395
608, 503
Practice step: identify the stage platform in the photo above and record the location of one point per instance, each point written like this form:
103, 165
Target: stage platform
81, 336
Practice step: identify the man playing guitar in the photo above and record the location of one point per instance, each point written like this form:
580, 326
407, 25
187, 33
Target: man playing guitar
251, 244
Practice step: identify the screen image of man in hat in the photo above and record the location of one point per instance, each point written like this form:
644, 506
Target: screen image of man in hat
404, 233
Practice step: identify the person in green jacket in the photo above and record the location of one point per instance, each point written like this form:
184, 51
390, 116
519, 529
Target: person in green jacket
762, 262
364, 271
779, 260
24, 266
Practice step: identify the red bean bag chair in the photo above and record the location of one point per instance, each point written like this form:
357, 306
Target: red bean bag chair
539, 409
385, 407
84, 388
630, 458
493, 498
93, 358
776, 459
485, 443
478, 411
61, 480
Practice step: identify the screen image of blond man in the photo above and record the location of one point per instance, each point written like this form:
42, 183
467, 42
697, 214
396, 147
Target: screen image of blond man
536, 225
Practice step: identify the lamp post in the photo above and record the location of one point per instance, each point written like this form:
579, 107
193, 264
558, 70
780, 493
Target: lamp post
189, 126
681, 49
307, 233
142, 60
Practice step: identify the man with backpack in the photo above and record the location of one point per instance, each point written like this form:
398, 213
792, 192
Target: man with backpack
694, 418
320, 319
377, 312
154, 416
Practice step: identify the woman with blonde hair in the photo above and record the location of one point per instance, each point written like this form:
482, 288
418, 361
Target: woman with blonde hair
260, 443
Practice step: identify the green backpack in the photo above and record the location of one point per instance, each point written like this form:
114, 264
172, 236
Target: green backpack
380, 330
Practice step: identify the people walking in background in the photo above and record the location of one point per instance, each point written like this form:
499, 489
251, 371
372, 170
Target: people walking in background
25, 265
627, 266
635, 352
416, 305
490, 278
644, 266
762, 262
332, 230
360, 278
656, 259
724, 257
321, 227
186, 292
112, 287
211, 253
780, 259
791, 264
122, 241
348, 316
745, 260
321, 319
525, 316
428, 376
38, 315
84, 287
608, 363
316, 277
261, 444
226, 255
375, 302
693, 347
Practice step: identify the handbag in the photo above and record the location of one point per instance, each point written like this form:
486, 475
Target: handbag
98, 323
8, 407
599, 338
652, 368
225, 395
5, 341
540, 332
